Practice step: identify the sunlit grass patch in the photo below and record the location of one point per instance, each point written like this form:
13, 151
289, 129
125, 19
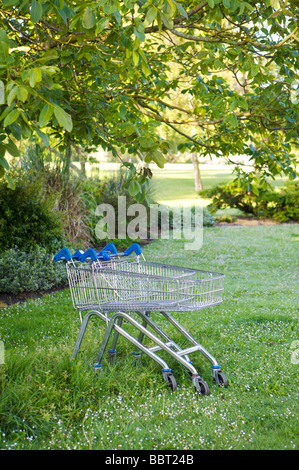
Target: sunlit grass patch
49, 401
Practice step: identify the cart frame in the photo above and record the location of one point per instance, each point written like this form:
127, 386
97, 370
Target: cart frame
109, 273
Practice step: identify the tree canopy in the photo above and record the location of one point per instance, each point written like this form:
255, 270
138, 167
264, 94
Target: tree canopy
107, 73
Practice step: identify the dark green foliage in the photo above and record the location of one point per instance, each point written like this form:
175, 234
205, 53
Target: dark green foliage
29, 272
29, 215
279, 205
107, 191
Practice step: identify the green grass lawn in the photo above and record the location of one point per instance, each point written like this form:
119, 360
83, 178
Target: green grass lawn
174, 185
47, 401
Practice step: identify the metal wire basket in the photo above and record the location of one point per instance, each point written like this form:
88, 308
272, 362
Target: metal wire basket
143, 285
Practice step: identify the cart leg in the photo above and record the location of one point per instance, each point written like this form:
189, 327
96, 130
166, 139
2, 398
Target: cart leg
112, 350
137, 354
161, 333
83, 327
146, 320
112, 324
218, 375
198, 382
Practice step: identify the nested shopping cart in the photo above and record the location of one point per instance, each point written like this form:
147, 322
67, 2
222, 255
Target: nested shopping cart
113, 285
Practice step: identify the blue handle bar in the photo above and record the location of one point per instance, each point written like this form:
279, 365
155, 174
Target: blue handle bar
110, 247
93, 255
63, 254
135, 247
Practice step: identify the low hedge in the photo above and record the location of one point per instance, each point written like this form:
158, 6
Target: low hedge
31, 271
281, 205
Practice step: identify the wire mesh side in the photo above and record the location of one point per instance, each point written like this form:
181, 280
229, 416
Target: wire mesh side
111, 289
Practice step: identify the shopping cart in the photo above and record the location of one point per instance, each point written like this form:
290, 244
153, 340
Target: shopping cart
120, 284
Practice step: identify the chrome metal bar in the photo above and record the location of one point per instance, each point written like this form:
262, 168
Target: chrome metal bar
83, 327
154, 338
183, 352
158, 348
112, 324
192, 340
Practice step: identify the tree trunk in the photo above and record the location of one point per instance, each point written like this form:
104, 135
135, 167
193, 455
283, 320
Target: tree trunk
197, 178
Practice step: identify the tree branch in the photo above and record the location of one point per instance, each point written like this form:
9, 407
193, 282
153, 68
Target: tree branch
178, 19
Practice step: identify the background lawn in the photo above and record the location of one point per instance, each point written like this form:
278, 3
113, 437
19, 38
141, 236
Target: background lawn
49, 402
174, 184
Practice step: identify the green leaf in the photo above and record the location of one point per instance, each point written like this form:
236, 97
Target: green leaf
10, 181
182, 10
255, 70
226, 3
101, 25
43, 136
66, 13
36, 11
167, 21
218, 64
159, 21
139, 34
11, 117
2, 92
135, 56
150, 16
47, 56
211, 3
248, 6
45, 115
4, 163
35, 75
233, 120
158, 159
134, 188
63, 118
22, 93
88, 19
12, 149
12, 95
122, 112
145, 69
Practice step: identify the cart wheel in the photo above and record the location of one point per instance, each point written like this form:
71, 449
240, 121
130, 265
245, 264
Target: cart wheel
171, 382
221, 379
201, 386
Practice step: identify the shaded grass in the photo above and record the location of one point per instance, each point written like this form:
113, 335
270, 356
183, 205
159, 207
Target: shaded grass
49, 401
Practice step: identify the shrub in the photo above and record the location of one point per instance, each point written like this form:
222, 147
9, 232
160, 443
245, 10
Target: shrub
29, 271
229, 195
74, 203
29, 215
279, 205
107, 191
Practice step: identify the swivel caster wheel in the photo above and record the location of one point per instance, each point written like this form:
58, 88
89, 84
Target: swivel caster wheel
220, 379
200, 386
170, 380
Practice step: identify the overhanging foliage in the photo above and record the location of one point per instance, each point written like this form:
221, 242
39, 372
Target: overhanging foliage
109, 73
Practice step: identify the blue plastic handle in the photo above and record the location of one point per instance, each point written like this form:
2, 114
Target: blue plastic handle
77, 254
90, 253
134, 247
110, 247
63, 254
105, 256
